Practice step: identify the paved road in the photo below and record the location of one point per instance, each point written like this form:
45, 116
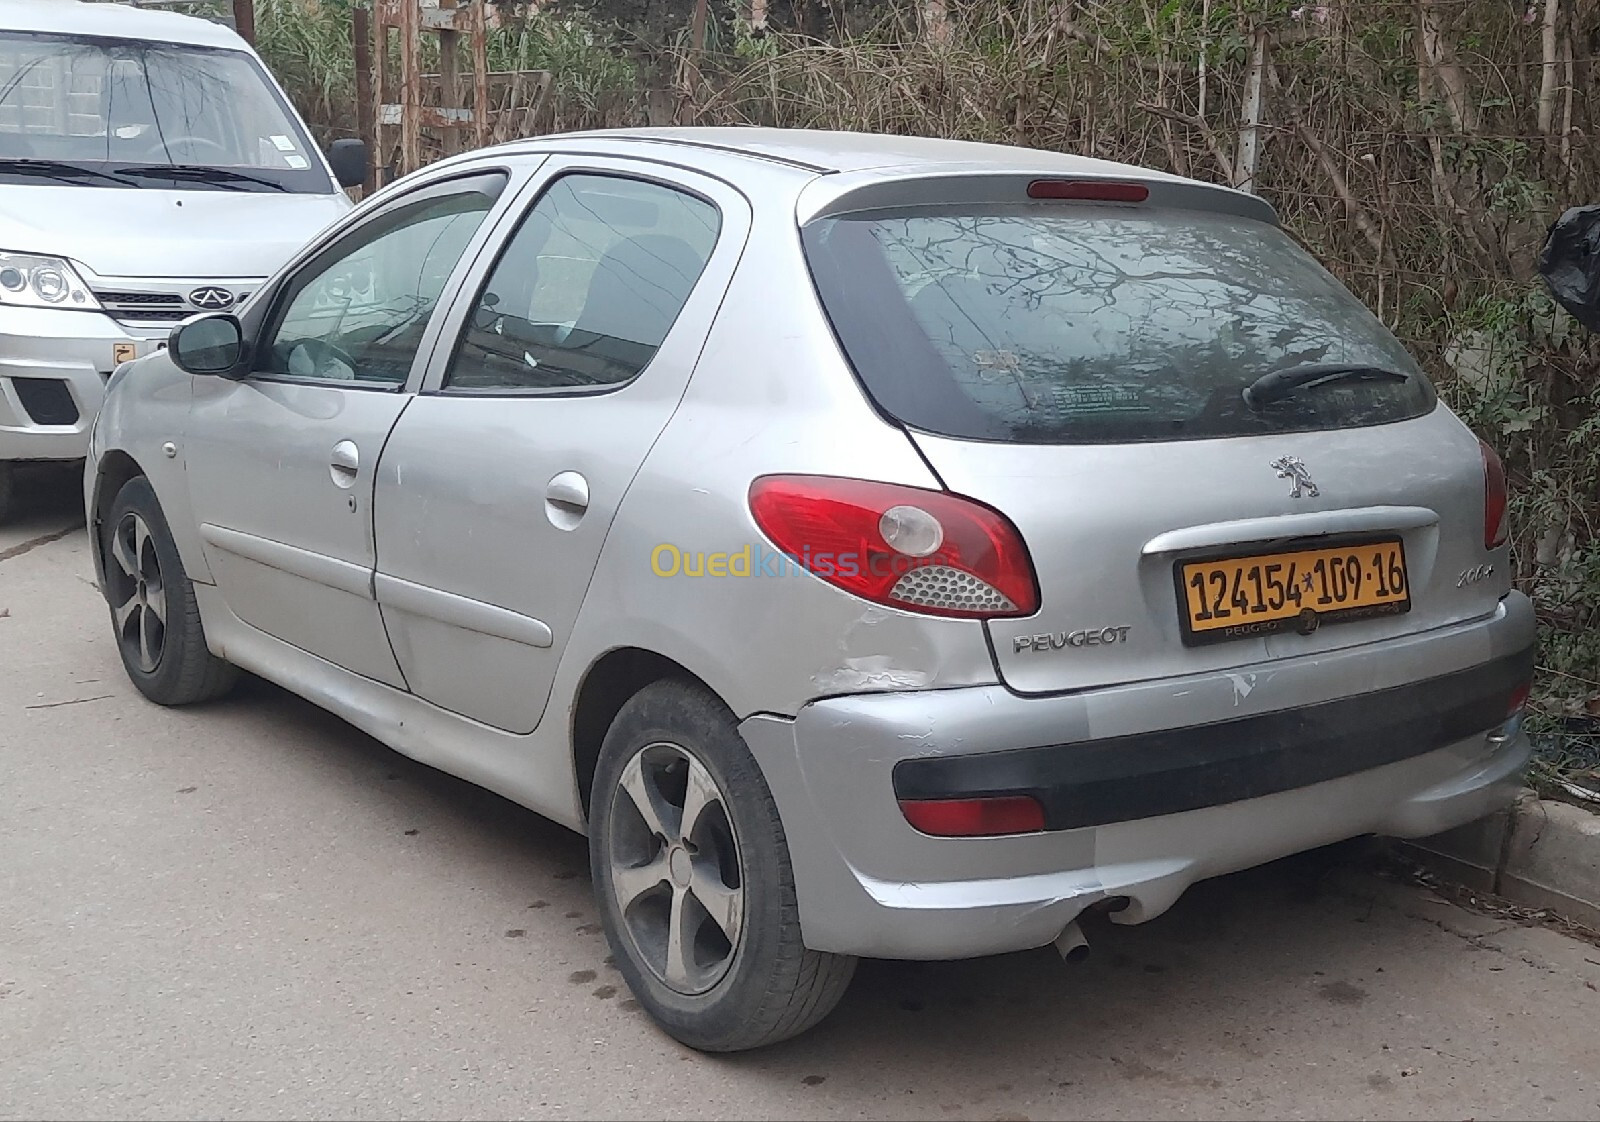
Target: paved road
251, 910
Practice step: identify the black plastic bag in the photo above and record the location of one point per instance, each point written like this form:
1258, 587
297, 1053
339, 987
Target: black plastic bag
1570, 263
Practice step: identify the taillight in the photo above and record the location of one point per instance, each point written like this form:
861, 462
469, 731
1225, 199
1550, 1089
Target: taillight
968, 818
1088, 190
1510, 728
1496, 527
923, 551
1518, 699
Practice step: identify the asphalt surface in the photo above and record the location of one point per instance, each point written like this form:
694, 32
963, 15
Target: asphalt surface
252, 910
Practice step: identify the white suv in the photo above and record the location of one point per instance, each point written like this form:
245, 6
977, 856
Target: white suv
150, 168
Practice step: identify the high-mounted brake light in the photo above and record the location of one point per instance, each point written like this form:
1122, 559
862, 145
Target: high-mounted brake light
923, 551
1089, 190
1496, 526
970, 818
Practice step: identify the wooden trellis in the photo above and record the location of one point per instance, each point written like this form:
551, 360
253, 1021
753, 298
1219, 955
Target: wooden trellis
423, 116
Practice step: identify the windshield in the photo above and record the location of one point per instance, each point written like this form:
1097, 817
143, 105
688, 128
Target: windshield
1050, 324
120, 112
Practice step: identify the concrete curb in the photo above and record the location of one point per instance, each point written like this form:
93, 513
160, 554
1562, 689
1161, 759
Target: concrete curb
1536, 853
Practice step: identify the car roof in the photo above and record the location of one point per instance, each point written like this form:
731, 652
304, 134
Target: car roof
836, 171
826, 151
114, 21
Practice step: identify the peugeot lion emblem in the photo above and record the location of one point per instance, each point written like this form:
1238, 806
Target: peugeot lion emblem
1294, 470
211, 298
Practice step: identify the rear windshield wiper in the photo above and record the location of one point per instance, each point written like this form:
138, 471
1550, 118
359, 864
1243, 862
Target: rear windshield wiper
57, 169
1279, 384
220, 176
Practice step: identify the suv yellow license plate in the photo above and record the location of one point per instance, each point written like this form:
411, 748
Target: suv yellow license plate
1236, 597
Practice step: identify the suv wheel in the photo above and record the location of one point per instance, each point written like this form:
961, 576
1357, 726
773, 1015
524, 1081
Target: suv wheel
8, 491
153, 609
691, 870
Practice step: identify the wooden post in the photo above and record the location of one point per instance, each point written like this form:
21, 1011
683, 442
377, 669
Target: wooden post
689, 68
244, 20
410, 87
480, 75
1250, 119
449, 81
697, 27
366, 106
383, 93
449, 87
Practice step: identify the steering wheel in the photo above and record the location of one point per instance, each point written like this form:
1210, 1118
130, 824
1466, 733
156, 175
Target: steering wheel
166, 147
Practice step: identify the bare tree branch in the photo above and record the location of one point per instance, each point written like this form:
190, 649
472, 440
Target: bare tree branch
1341, 186
1550, 76
1224, 164
1440, 58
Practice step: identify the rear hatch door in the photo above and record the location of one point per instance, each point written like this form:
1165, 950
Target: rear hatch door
1082, 366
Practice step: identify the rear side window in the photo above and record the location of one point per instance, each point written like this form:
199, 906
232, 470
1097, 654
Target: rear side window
587, 288
1058, 324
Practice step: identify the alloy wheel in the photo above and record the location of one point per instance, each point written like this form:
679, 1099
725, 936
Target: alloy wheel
138, 593
675, 868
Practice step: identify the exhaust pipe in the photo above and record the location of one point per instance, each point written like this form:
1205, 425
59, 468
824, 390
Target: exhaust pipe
1071, 943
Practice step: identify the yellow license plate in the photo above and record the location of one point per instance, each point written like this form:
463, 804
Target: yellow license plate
1296, 590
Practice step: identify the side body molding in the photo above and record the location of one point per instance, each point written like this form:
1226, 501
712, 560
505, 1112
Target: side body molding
461, 611
316, 567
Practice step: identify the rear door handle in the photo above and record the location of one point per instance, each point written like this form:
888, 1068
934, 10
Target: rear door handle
569, 489
344, 462
566, 498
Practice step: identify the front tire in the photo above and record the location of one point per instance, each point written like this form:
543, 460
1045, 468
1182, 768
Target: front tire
692, 875
153, 610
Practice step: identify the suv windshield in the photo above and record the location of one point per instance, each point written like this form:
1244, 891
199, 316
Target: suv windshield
1056, 324
121, 112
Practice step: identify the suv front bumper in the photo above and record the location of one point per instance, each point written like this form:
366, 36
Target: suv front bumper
53, 369
1147, 787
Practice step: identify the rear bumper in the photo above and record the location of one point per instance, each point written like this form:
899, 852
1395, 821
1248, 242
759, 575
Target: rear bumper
53, 370
1147, 787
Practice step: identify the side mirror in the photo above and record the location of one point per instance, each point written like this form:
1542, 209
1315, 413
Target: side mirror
207, 345
1570, 264
348, 158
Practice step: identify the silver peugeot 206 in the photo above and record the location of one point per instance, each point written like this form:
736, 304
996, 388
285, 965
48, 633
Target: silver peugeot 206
876, 546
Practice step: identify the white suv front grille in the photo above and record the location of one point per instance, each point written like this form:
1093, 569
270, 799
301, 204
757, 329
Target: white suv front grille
160, 306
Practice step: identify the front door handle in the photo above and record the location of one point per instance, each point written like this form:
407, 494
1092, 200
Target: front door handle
344, 462
566, 498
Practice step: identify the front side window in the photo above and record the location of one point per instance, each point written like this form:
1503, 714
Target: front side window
1048, 324
129, 113
587, 288
357, 313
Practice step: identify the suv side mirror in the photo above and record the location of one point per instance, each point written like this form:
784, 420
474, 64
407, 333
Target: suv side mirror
348, 158
1570, 264
207, 345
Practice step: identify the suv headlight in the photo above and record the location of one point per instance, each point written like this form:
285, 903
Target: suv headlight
32, 281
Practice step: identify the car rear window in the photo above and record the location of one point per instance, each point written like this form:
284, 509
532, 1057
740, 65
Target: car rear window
1044, 323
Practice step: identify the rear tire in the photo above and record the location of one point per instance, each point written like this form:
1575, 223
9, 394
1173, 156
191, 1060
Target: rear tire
701, 914
154, 614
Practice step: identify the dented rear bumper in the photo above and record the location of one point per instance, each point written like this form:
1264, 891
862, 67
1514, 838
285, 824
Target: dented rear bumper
1148, 787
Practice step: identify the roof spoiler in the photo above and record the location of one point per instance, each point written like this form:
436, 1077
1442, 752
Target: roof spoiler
853, 192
